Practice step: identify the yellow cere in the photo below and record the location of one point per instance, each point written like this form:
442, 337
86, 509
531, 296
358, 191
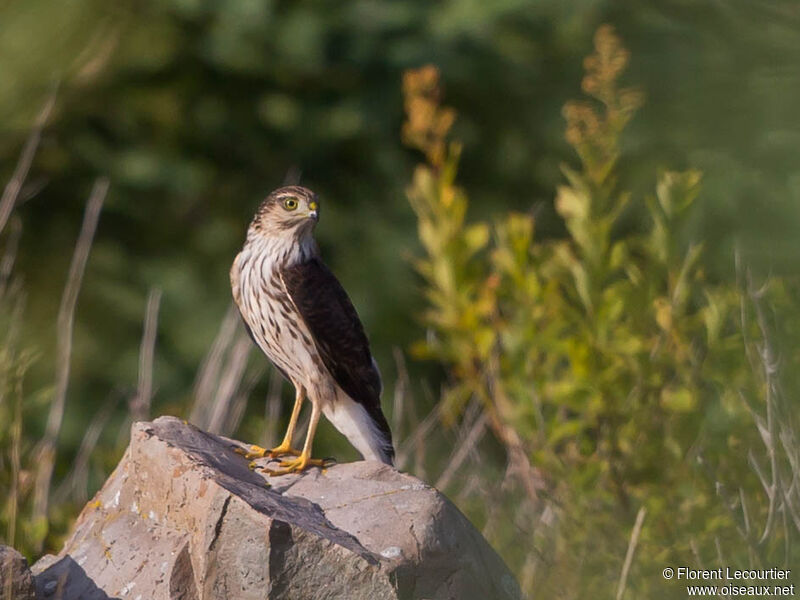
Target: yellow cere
312, 205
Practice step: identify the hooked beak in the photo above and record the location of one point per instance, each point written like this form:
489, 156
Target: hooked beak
313, 212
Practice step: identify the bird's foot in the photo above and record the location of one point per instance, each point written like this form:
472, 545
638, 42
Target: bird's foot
253, 453
257, 452
301, 463
282, 450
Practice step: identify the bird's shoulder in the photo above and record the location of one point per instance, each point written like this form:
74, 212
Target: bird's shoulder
321, 299
311, 274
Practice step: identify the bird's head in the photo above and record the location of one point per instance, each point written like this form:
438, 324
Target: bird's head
289, 212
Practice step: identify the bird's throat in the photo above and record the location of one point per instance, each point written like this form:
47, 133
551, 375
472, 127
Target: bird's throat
281, 251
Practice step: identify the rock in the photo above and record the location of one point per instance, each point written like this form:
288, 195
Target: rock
16, 580
182, 517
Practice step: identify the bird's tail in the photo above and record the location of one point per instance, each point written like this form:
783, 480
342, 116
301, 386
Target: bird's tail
368, 432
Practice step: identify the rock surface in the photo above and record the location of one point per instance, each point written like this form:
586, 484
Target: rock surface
182, 517
16, 580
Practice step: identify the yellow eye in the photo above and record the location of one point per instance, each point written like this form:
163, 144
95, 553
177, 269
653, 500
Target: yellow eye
290, 203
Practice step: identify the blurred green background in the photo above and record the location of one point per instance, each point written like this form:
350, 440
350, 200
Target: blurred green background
195, 110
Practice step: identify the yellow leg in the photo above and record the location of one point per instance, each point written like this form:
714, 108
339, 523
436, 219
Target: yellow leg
285, 446
303, 461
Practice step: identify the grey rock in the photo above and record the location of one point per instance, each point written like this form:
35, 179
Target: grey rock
16, 580
183, 517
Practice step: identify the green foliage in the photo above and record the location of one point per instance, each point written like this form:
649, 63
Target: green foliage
195, 109
607, 356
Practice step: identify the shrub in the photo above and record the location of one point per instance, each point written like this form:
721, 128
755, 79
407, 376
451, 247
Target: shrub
607, 363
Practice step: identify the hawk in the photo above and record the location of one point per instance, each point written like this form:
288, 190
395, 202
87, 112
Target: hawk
298, 313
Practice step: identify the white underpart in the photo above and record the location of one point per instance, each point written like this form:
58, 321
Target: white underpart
268, 255
352, 421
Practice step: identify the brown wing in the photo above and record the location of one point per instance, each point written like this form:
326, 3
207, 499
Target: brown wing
338, 334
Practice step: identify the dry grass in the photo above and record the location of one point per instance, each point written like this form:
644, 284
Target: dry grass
13, 188
140, 404
75, 486
46, 454
626, 567
207, 380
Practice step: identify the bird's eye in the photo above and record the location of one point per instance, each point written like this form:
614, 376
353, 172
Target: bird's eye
290, 203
